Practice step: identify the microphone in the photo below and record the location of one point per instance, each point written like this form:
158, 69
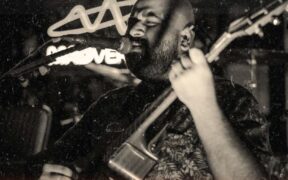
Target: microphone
123, 44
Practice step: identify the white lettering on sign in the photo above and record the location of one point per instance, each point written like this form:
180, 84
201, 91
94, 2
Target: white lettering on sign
86, 56
80, 13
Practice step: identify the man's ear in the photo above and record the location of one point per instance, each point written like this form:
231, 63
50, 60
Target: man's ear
186, 40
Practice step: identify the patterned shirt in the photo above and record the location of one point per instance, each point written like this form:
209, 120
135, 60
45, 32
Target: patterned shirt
181, 153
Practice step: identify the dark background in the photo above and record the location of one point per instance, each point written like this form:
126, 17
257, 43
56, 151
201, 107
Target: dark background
67, 86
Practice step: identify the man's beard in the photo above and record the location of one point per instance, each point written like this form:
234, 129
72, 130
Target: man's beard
153, 64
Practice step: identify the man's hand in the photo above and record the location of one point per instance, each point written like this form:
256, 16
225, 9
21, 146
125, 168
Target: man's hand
192, 79
56, 172
193, 83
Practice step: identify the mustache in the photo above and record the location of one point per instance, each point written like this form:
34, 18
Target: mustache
139, 40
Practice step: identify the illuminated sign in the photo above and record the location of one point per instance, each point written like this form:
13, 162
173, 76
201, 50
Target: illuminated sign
86, 56
80, 13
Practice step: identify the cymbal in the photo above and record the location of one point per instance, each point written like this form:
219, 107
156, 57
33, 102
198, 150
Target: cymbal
262, 56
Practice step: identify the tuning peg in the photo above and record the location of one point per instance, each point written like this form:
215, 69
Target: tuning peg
276, 21
259, 32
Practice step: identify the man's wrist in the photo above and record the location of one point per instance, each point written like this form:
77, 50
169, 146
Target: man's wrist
202, 104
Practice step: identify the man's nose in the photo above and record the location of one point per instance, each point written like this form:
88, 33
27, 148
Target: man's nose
138, 30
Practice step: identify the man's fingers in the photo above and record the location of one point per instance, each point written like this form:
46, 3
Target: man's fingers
176, 68
172, 76
53, 177
58, 169
186, 62
197, 56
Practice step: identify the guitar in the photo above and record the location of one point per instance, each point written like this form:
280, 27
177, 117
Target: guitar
134, 158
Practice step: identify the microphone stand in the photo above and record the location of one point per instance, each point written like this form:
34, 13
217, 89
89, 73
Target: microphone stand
42, 61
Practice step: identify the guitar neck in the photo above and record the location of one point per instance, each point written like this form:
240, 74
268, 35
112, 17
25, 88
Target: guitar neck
218, 47
137, 123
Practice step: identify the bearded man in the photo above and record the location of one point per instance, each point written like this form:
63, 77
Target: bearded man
214, 130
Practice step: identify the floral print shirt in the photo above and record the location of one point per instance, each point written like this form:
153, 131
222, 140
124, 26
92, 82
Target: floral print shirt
181, 153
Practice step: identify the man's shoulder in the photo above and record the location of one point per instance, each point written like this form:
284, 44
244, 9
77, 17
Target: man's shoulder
231, 90
233, 97
115, 96
122, 92
110, 104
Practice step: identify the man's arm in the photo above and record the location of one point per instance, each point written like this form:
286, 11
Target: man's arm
228, 157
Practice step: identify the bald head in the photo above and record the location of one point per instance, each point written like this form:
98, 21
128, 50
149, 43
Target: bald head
177, 11
182, 9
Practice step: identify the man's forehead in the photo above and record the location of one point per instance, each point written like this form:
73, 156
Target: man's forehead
158, 6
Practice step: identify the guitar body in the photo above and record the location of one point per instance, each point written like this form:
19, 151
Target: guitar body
131, 163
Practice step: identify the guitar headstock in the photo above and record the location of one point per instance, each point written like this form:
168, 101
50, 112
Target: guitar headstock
249, 25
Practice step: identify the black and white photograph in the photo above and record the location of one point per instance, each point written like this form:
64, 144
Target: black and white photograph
143, 89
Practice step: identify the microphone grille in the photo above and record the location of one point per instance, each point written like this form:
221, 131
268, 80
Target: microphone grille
125, 46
